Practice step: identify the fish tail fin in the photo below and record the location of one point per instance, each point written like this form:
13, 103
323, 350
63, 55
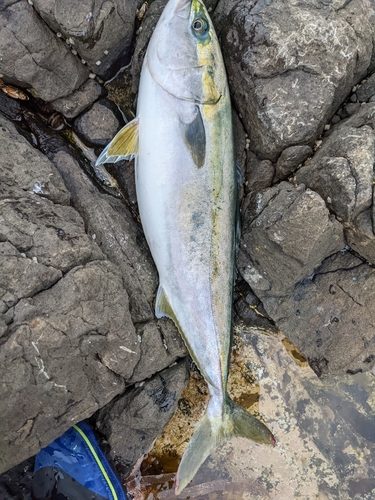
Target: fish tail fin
211, 431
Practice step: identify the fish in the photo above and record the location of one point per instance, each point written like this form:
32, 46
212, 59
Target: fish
186, 187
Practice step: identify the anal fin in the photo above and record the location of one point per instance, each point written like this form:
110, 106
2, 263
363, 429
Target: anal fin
124, 146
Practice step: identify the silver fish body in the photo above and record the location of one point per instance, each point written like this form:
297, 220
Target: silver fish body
186, 192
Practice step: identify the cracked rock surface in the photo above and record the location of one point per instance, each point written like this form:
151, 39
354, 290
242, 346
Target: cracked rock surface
291, 65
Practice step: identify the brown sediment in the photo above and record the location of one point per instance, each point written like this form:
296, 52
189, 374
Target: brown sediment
294, 353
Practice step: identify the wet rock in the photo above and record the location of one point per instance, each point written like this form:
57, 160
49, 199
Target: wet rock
134, 421
329, 316
80, 99
98, 125
290, 159
33, 56
100, 32
17, 483
341, 171
259, 173
287, 69
287, 232
360, 236
367, 89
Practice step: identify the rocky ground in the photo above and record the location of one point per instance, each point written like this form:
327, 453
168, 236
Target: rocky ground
78, 337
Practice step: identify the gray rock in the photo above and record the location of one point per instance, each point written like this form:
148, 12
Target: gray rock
329, 317
360, 236
99, 125
341, 171
64, 356
80, 99
352, 107
287, 69
367, 89
23, 169
134, 421
52, 235
259, 173
32, 56
289, 160
99, 31
288, 232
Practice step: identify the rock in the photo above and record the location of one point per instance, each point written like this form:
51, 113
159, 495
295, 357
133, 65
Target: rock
259, 173
64, 356
367, 89
352, 107
17, 483
341, 171
360, 236
290, 159
33, 57
287, 232
329, 318
287, 69
133, 422
80, 99
24, 170
99, 125
100, 32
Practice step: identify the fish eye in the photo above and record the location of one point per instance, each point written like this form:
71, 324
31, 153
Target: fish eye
200, 25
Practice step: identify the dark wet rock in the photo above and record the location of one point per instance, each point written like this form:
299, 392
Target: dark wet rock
16, 484
341, 171
290, 159
287, 232
330, 316
32, 56
98, 125
135, 420
259, 173
287, 68
360, 236
367, 89
80, 99
249, 308
100, 32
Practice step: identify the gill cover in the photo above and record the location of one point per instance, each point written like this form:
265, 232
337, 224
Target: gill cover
193, 70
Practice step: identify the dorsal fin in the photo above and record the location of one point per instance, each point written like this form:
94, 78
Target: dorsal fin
124, 146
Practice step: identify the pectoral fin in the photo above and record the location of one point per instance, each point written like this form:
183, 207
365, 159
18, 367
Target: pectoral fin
195, 138
124, 146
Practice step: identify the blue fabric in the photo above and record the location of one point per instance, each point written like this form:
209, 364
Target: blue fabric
71, 454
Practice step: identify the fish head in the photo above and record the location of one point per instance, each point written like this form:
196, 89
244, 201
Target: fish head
184, 55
